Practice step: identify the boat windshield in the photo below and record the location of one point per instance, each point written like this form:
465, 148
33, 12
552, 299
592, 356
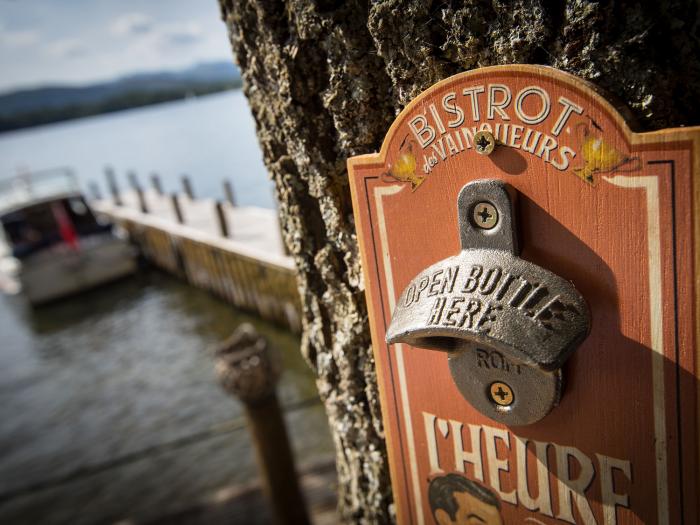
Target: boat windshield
49, 223
35, 186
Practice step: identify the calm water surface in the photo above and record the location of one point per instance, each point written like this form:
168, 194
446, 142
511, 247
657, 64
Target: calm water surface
91, 388
209, 138
114, 372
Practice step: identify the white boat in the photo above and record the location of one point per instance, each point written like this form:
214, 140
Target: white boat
52, 245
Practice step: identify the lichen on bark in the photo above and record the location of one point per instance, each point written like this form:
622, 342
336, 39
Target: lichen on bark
324, 81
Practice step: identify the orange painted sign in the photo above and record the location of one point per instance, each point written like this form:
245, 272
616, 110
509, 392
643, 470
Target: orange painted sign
612, 211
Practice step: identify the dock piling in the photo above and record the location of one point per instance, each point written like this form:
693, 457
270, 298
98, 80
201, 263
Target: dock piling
112, 185
155, 182
133, 179
176, 208
187, 186
228, 191
246, 371
142, 200
134, 182
221, 216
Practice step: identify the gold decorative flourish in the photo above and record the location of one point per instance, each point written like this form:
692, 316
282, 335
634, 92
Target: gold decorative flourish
599, 156
404, 168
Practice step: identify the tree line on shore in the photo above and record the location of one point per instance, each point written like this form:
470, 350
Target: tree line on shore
118, 102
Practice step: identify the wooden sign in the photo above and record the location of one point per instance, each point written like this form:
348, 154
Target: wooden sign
611, 211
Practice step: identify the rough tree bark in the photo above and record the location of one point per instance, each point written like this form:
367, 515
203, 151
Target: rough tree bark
325, 80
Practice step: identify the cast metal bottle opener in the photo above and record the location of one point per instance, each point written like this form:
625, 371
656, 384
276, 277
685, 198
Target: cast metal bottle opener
507, 324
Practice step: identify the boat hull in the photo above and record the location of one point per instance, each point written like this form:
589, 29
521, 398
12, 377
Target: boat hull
61, 271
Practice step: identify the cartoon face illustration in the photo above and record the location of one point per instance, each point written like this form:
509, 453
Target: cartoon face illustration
455, 500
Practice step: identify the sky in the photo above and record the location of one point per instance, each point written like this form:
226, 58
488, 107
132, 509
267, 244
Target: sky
82, 41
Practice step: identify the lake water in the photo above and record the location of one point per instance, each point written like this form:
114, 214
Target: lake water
109, 405
209, 138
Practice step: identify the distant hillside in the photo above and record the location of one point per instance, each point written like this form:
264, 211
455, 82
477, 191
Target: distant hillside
32, 107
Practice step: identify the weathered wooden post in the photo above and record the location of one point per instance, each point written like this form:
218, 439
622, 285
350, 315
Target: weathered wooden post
221, 216
176, 208
155, 182
142, 200
246, 371
133, 180
112, 185
228, 191
187, 187
136, 186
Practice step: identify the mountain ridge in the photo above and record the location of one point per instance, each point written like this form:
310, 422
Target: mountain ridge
51, 103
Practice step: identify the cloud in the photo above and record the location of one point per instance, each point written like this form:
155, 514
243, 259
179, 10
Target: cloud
19, 38
181, 34
66, 48
131, 24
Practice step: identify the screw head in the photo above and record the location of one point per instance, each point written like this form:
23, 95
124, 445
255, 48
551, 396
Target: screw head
485, 215
501, 394
484, 142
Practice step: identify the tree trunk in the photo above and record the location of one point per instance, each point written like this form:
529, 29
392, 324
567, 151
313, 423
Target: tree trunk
325, 80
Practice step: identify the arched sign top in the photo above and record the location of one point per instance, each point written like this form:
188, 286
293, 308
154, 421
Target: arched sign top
537, 112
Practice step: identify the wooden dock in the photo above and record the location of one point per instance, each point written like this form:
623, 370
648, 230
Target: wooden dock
247, 267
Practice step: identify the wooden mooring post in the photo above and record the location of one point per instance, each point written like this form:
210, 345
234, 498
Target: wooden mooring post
177, 209
142, 199
246, 371
113, 187
155, 182
134, 182
221, 216
187, 187
228, 191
